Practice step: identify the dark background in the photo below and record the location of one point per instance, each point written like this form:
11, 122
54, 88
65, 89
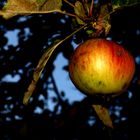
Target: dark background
72, 123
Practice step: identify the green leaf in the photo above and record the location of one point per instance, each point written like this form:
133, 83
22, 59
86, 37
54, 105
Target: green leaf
23, 7
120, 3
41, 65
103, 115
79, 11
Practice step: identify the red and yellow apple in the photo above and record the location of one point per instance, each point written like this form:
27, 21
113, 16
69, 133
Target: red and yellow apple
99, 66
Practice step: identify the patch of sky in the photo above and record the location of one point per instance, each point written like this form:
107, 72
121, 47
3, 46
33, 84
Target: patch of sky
119, 42
55, 35
109, 38
11, 78
2, 27
117, 113
91, 120
6, 109
45, 85
9, 98
137, 59
59, 109
116, 110
96, 1
41, 98
130, 94
74, 44
49, 41
50, 86
38, 110
123, 119
8, 119
20, 71
12, 38
49, 104
27, 33
27, 64
23, 18
63, 21
11, 106
138, 32
18, 49
17, 117
2, 3
63, 81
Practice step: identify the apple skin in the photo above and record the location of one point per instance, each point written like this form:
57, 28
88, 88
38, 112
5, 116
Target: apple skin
99, 66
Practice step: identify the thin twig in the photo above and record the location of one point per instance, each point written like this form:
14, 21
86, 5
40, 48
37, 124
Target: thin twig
55, 88
72, 5
91, 8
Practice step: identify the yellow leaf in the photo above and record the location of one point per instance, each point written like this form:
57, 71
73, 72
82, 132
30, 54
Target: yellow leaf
23, 7
103, 115
79, 11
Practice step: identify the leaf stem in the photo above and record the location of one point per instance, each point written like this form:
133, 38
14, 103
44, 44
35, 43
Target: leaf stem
38, 12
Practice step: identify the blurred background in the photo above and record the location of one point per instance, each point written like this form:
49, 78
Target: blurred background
57, 110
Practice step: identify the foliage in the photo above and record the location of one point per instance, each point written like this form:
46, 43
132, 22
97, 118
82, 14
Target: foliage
120, 3
95, 21
15, 7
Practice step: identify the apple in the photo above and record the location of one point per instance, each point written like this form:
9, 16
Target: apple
100, 66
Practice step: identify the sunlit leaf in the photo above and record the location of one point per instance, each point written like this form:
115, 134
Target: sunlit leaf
51, 5
41, 65
79, 11
103, 115
120, 3
22, 7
